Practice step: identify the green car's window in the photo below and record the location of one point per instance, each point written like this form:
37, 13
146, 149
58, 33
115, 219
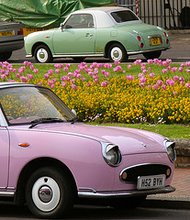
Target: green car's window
123, 16
80, 21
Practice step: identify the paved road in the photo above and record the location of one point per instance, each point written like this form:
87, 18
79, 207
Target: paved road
179, 52
9, 212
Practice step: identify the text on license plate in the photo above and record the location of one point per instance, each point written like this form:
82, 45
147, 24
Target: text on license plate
154, 41
6, 33
151, 182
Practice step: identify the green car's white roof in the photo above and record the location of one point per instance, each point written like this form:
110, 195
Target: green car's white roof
103, 19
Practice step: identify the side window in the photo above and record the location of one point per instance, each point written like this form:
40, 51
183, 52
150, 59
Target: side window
80, 21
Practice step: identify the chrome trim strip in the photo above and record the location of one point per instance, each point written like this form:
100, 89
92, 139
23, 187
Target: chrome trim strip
29, 56
145, 51
82, 55
7, 194
3, 121
123, 194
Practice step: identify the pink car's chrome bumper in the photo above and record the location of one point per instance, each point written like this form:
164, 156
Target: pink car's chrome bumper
123, 194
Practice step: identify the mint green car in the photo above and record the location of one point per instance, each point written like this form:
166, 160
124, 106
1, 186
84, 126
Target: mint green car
110, 32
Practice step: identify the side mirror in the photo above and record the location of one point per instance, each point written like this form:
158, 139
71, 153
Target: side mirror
74, 112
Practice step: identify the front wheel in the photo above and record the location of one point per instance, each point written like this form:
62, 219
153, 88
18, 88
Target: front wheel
49, 193
117, 53
42, 54
152, 55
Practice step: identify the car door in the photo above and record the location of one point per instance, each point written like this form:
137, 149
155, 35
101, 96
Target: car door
76, 36
4, 157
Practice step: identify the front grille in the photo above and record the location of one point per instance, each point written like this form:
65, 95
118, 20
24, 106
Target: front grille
131, 174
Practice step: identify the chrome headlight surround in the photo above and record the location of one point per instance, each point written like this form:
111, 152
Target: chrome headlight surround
170, 148
111, 154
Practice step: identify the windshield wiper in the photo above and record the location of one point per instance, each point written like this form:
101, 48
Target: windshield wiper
44, 120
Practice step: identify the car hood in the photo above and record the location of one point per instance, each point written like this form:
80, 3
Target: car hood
129, 140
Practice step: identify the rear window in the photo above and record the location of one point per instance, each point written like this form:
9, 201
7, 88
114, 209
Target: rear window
123, 16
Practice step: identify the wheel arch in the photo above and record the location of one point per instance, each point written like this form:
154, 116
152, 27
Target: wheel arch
38, 44
108, 45
33, 166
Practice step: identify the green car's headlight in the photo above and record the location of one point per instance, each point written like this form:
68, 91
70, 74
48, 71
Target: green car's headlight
111, 154
170, 148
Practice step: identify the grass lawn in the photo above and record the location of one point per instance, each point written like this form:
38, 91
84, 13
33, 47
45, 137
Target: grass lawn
173, 131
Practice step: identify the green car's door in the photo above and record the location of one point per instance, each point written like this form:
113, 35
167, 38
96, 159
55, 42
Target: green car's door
77, 36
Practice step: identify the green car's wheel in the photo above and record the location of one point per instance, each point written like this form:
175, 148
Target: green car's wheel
117, 52
42, 54
49, 193
152, 55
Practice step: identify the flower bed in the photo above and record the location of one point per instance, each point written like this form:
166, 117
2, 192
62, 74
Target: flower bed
154, 92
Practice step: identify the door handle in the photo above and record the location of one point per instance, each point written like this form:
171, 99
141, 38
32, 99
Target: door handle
89, 35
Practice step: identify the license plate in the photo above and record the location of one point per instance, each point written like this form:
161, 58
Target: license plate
6, 33
154, 41
151, 182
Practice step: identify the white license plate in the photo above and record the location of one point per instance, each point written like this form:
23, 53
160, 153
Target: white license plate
151, 182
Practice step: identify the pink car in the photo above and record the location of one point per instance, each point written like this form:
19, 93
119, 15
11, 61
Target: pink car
51, 162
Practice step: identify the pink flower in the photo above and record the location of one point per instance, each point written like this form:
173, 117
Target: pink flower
3, 76
57, 71
116, 63
50, 72
35, 70
176, 78
104, 84
155, 86
73, 86
149, 61
180, 69
108, 65
137, 62
105, 73
88, 84
174, 69
46, 75
30, 76
159, 82
164, 71
151, 75
187, 85
170, 82
130, 77
63, 84
23, 78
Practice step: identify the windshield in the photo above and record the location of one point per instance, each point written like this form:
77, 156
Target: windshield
123, 16
22, 105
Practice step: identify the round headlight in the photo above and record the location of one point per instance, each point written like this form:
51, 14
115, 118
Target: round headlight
170, 148
111, 154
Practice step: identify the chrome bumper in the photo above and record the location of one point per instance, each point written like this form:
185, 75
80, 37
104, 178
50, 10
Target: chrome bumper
124, 194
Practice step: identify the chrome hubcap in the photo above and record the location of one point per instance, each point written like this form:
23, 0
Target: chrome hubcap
45, 194
42, 55
116, 54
